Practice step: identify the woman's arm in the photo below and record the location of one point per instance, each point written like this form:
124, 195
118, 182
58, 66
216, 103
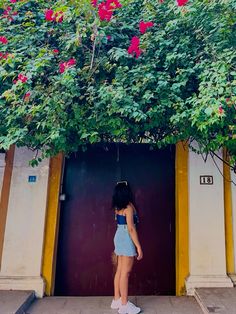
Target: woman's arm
129, 212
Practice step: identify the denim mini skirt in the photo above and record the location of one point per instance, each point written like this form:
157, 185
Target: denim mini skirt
123, 242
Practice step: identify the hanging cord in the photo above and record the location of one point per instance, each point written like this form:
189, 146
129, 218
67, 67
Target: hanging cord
213, 155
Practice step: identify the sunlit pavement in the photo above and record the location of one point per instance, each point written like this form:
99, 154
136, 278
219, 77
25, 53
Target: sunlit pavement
212, 300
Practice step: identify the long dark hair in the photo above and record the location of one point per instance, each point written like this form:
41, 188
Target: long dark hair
122, 195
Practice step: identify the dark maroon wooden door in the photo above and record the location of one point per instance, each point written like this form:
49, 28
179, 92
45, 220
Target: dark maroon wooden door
87, 222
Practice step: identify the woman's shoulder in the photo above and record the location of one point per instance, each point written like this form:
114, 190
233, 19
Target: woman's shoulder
118, 212
130, 208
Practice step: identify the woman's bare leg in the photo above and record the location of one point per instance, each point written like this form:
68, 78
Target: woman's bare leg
126, 267
117, 279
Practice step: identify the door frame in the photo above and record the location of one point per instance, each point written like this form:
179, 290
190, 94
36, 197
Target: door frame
181, 217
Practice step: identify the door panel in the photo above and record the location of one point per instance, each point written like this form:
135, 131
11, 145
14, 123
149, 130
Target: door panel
152, 177
87, 222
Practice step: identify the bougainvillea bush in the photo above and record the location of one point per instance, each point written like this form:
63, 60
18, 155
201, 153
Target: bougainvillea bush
78, 72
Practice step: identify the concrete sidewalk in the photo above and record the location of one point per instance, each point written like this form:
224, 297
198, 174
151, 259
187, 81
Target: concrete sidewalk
101, 305
217, 300
15, 302
208, 300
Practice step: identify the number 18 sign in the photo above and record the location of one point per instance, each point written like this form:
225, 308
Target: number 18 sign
206, 180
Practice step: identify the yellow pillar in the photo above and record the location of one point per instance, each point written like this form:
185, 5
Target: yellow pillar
52, 223
229, 244
5, 195
182, 218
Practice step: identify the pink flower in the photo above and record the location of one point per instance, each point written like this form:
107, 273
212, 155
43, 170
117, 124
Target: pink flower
108, 37
94, 3
229, 102
59, 16
52, 16
143, 26
7, 14
22, 78
55, 51
71, 62
134, 47
27, 96
221, 110
49, 15
65, 65
181, 2
13, 1
62, 67
104, 12
105, 9
4, 55
3, 40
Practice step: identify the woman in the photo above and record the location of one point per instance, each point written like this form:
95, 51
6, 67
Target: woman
126, 243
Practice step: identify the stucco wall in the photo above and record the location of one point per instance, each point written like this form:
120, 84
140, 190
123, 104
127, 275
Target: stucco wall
206, 225
207, 238
24, 233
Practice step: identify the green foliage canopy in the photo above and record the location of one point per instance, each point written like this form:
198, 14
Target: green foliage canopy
182, 87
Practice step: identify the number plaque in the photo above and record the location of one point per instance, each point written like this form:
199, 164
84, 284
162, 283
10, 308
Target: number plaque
206, 180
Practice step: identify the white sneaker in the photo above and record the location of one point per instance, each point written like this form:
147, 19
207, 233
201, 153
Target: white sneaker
116, 304
129, 308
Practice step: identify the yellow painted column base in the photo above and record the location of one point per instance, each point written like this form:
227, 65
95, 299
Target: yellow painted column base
52, 223
229, 242
182, 218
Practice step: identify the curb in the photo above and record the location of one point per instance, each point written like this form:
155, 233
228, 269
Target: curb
200, 302
23, 308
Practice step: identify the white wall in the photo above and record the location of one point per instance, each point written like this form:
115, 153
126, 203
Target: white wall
2, 168
24, 234
206, 226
